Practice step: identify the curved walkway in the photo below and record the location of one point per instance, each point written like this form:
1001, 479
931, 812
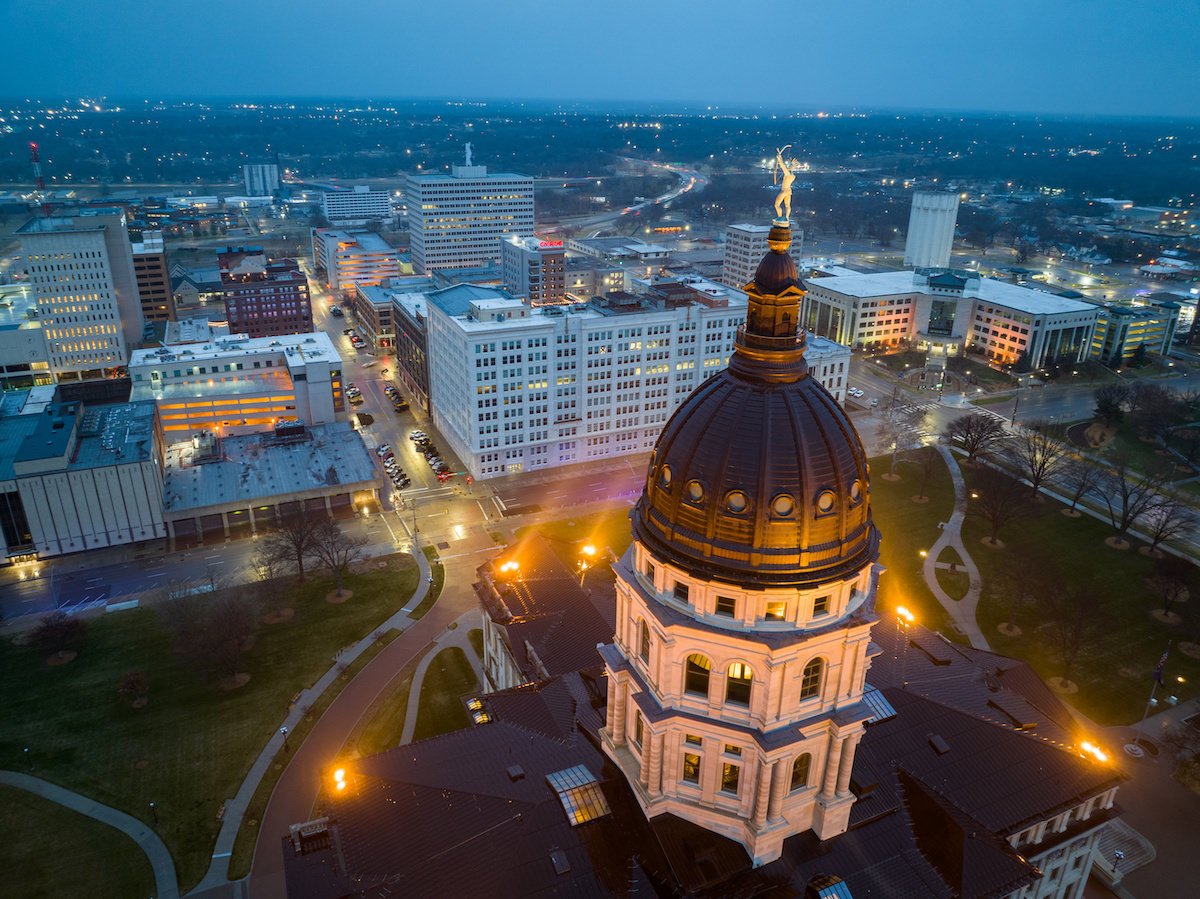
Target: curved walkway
141, 833
961, 611
235, 808
459, 637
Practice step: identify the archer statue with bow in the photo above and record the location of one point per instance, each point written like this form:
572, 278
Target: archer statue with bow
781, 174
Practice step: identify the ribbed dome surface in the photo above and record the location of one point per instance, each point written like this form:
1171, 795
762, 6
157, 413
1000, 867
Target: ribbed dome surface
759, 478
766, 447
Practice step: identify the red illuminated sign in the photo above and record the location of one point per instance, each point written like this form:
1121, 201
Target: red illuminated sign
549, 244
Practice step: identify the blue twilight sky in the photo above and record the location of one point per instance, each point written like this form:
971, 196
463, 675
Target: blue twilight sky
1122, 57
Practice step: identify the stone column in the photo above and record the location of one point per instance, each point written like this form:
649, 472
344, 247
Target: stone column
831, 768
656, 763
618, 724
779, 786
762, 800
253, 526
612, 704
644, 774
846, 765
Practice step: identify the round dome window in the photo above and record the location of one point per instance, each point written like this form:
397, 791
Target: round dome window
825, 501
664, 476
783, 505
855, 492
736, 501
695, 491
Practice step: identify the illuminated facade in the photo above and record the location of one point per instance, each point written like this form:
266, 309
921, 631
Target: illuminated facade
458, 220
359, 205
353, 258
81, 271
240, 384
535, 269
263, 299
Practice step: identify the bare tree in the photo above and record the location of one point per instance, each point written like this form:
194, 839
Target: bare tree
296, 538
1127, 494
976, 433
1111, 400
1080, 478
1168, 518
232, 620
1154, 409
59, 632
999, 500
1074, 612
1038, 451
337, 550
1172, 580
269, 562
928, 460
899, 433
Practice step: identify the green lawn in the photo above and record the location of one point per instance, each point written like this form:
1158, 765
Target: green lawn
49, 851
190, 748
955, 583
607, 529
382, 725
907, 528
435, 589
448, 679
1113, 672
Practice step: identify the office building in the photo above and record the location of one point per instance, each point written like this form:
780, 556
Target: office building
1123, 333
153, 278
946, 313
459, 219
240, 384
515, 388
262, 178
263, 298
76, 477
356, 206
757, 729
931, 229
745, 245
535, 269
81, 271
375, 309
24, 356
352, 258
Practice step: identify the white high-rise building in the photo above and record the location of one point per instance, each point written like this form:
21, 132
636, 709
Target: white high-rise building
458, 220
358, 205
81, 271
931, 229
262, 178
745, 246
515, 388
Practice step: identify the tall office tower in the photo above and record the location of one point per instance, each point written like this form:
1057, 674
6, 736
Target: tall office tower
358, 205
931, 229
745, 604
744, 247
535, 269
263, 299
262, 178
81, 271
153, 278
458, 220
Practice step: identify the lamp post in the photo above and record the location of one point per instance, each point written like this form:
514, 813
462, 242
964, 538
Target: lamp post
284, 732
154, 813
904, 618
587, 553
1152, 701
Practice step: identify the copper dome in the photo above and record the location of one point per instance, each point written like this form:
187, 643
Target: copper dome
759, 478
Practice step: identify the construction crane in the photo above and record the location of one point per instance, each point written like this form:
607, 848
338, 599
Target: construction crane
39, 178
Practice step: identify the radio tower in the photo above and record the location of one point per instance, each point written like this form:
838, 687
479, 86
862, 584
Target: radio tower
39, 178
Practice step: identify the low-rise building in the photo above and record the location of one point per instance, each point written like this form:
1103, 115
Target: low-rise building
228, 487
263, 298
240, 384
76, 477
946, 313
1123, 332
351, 258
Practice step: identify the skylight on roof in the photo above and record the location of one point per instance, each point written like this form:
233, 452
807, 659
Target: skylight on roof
579, 792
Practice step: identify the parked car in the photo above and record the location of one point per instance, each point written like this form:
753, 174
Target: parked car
415, 435
382, 448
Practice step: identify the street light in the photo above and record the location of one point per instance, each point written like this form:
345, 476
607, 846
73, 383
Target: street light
904, 619
284, 732
154, 813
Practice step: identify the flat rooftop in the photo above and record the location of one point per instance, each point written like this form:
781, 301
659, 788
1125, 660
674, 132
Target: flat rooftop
1010, 296
106, 435
254, 468
18, 307
297, 349
367, 241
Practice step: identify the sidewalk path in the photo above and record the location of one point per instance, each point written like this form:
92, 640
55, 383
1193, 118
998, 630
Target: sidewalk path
961, 611
235, 808
458, 637
138, 831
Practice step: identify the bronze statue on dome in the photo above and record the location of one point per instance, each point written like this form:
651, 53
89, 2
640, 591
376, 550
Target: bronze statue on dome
781, 173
